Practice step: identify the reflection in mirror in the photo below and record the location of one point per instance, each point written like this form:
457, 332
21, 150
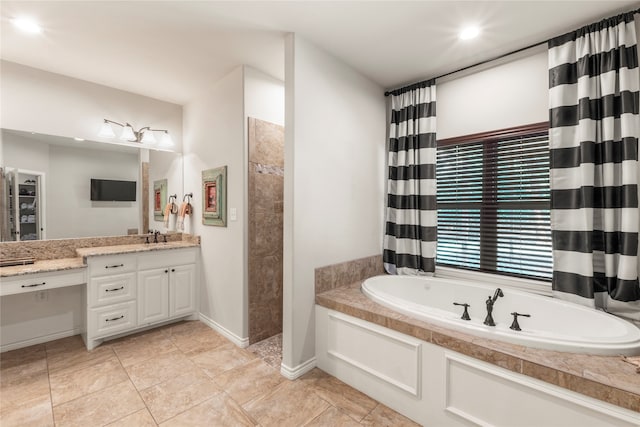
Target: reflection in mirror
165, 167
66, 167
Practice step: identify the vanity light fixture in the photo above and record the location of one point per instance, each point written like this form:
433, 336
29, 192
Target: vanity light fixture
469, 33
143, 135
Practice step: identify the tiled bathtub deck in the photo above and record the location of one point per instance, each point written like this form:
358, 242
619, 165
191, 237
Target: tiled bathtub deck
607, 378
180, 375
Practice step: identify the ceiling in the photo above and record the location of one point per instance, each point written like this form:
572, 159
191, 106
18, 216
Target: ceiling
171, 50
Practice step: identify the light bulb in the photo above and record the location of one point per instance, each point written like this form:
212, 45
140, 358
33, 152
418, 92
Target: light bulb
128, 134
469, 33
147, 137
27, 25
106, 131
166, 140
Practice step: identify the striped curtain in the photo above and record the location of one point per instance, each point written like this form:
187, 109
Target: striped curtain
593, 137
411, 215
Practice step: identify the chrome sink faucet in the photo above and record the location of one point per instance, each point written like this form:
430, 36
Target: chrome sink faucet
490, 302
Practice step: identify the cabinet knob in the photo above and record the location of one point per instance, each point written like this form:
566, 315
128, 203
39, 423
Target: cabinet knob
173, 270
166, 271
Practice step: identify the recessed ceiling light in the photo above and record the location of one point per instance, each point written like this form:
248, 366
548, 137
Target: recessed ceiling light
27, 25
469, 33
78, 139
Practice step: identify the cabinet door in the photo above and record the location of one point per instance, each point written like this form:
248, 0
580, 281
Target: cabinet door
182, 290
153, 295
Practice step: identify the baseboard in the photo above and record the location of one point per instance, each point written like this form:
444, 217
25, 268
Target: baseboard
39, 340
298, 371
240, 342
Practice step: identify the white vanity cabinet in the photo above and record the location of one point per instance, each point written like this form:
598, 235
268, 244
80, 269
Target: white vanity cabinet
111, 297
166, 286
133, 291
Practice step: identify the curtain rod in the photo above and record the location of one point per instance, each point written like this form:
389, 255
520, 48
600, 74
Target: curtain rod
481, 62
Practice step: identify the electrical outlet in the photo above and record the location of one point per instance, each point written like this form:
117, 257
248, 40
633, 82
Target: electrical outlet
42, 295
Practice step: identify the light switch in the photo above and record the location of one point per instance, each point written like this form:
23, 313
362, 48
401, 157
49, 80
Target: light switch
233, 214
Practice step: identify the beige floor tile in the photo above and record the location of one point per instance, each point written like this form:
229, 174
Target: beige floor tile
99, 408
18, 371
219, 360
159, 369
143, 347
22, 356
36, 413
69, 385
73, 358
352, 402
199, 340
168, 399
333, 417
142, 418
249, 381
386, 417
292, 403
63, 345
219, 411
24, 390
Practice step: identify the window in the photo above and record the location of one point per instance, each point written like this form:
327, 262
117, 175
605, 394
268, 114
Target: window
493, 202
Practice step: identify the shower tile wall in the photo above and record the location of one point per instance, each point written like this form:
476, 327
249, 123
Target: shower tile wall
266, 192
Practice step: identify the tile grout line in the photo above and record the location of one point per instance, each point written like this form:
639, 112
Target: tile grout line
46, 361
137, 391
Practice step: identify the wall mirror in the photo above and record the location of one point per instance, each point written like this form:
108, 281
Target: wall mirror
55, 173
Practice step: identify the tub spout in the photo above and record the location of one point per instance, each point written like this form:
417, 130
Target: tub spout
490, 302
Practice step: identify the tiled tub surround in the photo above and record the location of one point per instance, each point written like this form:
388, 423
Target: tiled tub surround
345, 273
266, 194
609, 379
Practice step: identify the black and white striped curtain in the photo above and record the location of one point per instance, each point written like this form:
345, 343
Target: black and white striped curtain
411, 215
593, 136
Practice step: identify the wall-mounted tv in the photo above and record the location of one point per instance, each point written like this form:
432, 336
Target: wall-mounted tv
112, 190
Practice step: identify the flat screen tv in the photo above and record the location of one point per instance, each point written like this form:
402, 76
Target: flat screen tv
112, 190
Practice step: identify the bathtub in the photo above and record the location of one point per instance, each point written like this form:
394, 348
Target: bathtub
554, 324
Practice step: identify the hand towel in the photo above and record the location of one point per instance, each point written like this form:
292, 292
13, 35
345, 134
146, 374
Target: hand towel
167, 211
185, 209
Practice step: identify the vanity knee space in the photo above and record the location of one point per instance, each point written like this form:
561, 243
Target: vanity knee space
131, 291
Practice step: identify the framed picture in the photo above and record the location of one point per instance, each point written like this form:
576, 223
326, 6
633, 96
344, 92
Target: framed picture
214, 196
159, 199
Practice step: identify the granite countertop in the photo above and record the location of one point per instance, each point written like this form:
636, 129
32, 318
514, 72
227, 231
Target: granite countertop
60, 264
607, 378
43, 266
140, 247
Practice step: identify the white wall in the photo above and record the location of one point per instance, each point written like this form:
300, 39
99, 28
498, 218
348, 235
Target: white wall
334, 180
214, 137
44, 102
508, 94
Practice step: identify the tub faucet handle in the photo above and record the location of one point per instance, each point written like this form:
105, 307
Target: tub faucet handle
515, 326
465, 315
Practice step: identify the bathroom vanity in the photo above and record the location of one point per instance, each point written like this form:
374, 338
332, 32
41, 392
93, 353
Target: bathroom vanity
124, 288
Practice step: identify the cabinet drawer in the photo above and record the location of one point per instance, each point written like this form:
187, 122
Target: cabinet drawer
41, 281
111, 264
112, 319
112, 289
160, 259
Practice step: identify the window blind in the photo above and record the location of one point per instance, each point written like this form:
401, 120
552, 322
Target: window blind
493, 203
